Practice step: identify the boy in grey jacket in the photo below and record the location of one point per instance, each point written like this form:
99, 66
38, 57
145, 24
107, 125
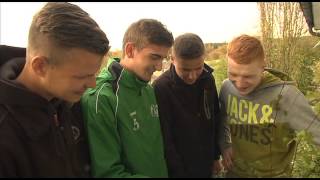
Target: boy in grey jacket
261, 109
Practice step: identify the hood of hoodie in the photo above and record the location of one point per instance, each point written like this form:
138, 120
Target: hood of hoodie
13, 93
272, 77
9, 52
21, 102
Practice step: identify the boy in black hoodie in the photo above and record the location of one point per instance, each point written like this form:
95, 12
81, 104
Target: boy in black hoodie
40, 135
188, 109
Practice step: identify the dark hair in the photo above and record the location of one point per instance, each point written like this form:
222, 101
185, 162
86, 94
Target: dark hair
244, 49
188, 46
147, 31
68, 26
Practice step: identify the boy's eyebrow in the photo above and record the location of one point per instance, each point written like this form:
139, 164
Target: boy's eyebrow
156, 55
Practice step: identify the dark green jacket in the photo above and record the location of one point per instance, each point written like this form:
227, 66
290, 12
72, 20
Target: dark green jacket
123, 126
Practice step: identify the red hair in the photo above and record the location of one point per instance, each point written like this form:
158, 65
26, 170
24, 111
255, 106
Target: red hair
244, 49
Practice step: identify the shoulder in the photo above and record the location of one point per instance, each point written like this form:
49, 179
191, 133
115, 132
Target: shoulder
163, 80
291, 92
103, 89
209, 78
226, 88
285, 89
100, 95
226, 84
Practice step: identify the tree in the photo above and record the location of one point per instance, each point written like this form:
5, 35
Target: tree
282, 24
217, 52
283, 28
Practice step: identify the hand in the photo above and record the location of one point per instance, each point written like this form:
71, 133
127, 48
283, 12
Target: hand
227, 156
217, 167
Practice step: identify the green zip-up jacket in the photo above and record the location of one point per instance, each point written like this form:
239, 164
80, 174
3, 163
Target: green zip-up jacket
123, 126
261, 126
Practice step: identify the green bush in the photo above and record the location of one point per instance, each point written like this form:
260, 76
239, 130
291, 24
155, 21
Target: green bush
220, 71
307, 161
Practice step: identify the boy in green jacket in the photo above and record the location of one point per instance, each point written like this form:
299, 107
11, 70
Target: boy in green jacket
121, 112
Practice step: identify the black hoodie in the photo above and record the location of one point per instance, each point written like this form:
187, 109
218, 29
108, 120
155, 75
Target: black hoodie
189, 117
38, 138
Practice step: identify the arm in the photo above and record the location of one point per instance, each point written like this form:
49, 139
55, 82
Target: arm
224, 134
225, 142
173, 158
217, 166
103, 137
216, 120
301, 116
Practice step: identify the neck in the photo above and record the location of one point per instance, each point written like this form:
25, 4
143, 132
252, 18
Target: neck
30, 81
128, 65
125, 64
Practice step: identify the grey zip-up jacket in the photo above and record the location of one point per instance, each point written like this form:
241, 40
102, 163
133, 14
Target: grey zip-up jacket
261, 126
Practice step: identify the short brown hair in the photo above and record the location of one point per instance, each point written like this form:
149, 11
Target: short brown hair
188, 46
147, 31
67, 26
244, 49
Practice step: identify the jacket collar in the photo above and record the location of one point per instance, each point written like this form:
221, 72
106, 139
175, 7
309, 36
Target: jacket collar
126, 77
33, 112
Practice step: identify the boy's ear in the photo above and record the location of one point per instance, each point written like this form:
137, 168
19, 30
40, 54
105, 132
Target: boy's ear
40, 65
173, 58
129, 50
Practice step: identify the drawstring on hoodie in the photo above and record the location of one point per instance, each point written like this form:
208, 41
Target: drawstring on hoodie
274, 124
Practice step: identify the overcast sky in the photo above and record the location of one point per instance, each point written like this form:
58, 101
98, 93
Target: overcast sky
212, 21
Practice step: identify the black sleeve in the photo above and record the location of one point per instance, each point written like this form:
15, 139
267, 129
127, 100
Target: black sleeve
173, 158
216, 120
9, 52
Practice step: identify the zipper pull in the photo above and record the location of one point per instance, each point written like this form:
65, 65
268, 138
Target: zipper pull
55, 119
